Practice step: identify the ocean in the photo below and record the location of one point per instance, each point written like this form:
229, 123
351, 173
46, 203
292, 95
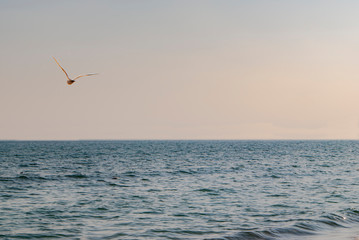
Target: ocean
228, 190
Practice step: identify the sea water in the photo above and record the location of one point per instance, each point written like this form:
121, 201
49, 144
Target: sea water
179, 190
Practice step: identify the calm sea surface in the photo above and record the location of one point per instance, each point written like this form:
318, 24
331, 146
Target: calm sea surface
179, 190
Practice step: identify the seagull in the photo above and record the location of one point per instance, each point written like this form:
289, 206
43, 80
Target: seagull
69, 80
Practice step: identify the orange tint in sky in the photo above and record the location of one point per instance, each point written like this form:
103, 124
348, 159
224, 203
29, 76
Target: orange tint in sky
179, 69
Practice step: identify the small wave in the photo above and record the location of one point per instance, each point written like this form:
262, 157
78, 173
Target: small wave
76, 175
37, 236
30, 177
117, 185
23, 177
271, 234
205, 190
6, 179
180, 172
305, 228
130, 174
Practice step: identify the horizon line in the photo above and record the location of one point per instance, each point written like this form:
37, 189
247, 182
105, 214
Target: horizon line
158, 139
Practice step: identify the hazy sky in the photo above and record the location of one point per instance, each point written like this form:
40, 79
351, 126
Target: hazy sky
224, 69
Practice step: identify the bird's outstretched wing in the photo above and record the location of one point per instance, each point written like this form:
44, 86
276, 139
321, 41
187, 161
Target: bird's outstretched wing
62, 68
85, 75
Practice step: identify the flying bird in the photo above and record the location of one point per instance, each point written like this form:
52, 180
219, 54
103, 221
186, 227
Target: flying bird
69, 80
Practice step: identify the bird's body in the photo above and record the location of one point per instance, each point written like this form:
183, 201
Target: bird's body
69, 80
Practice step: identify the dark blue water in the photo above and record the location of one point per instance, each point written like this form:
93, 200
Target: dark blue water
179, 190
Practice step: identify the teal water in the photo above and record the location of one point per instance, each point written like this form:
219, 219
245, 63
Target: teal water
179, 190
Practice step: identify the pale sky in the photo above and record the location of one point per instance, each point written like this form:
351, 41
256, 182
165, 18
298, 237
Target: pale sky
203, 69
